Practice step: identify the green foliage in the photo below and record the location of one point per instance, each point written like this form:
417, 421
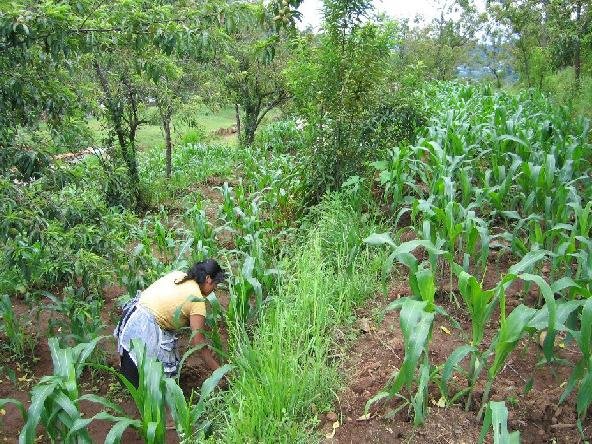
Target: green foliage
154, 393
293, 336
281, 137
337, 88
185, 413
20, 341
79, 317
55, 401
193, 136
496, 417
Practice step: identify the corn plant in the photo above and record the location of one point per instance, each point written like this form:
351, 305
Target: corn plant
480, 305
582, 373
151, 398
79, 317
185, 412
202, 231
496, 416
416, 321
242, 287
55, 401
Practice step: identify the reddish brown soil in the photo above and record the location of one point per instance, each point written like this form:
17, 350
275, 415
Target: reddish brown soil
379, 351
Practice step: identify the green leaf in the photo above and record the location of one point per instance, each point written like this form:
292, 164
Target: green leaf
116, 432
497, 417
584, 398
551, 308
511, 331
379, 239
540, 321
426, 285
19, 405
39, 395
527, 261
451, 363
210, 384
178, 406
102, 401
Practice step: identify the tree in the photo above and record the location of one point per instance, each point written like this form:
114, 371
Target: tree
548, 34
47, 39
337, 83
252, 65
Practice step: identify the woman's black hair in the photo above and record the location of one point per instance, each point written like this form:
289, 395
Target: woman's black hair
200, 270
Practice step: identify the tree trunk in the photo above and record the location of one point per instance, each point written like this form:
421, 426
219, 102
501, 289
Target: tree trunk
250, 121
115, 112
166, 123
238, 121
577, 55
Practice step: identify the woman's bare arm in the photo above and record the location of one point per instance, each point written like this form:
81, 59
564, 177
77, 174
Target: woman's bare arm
197, 324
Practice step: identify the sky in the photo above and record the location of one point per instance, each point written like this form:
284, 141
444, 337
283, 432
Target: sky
311, 10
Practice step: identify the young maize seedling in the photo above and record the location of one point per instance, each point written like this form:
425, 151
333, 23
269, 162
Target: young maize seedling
185, 413
496, 416
416, 320
582, 372
55, 400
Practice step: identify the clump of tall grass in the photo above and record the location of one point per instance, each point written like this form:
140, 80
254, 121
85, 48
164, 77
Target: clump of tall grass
286, 367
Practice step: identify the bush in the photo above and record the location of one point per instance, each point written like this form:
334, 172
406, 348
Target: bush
196, 134
561, 86
283, 136
393, 123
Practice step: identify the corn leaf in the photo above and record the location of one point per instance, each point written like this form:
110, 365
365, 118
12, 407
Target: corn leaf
210, 384
451, 363
584, 398
416, 324
527, 261
19, 405
540, 321
496, 416
551, 308
511, 331
102, 401
39, 395
116, 432
419, 400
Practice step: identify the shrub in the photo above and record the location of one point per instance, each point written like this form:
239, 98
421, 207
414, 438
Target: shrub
283, 136
196, 134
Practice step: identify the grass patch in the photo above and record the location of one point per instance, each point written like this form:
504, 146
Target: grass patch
286, 367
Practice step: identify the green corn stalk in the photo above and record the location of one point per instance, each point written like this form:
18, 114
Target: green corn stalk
149, 399
242, 287
511, 331
55, 400
416, 324
582, 373
496, 416
185, 413
480, 305
416, 321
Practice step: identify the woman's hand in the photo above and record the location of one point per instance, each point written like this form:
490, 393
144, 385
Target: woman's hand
198, 324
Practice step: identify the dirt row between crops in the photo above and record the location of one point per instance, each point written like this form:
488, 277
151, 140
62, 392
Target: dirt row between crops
379, 350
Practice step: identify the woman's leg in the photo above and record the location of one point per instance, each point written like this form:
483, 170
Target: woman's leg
129, 369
